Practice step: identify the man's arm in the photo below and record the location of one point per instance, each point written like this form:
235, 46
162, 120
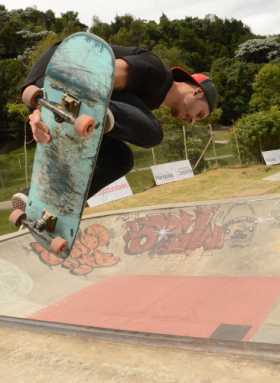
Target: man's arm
36, 75
145, 75
137, 71
121, 74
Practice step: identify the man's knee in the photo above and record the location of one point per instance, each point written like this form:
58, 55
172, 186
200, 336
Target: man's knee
115, 160
154, 136
134, 123
115, 155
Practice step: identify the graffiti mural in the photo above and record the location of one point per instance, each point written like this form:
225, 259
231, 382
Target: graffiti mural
203, 228
240, 223
171, 233
275, 212
86, 254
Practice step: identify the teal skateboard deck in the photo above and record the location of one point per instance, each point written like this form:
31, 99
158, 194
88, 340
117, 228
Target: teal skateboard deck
78, 82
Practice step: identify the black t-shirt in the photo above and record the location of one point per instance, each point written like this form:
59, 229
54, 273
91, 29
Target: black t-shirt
148, 78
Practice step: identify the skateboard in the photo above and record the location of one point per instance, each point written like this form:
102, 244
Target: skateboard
73, 103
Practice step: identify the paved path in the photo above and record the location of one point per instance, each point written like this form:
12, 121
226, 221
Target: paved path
221, 142
5, 205
43, 355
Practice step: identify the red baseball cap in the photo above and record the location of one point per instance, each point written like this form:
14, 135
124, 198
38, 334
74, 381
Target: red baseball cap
201, 80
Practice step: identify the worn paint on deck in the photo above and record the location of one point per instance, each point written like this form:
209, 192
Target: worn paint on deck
82, 66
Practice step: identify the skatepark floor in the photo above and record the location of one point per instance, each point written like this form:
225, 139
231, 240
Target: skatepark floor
181, 286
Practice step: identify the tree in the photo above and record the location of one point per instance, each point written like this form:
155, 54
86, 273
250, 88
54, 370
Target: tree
4, 15
68, 23
130, 33
259, 50
49, 20
16, 114
101, 29
11, 73
11, 43
38, 49
233, 79
266, 88
171, 56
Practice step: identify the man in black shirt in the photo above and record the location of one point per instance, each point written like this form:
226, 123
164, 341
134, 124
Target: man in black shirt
142, 84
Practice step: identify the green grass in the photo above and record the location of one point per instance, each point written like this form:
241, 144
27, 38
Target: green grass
222, 150
222, 135
212, 184
142, 157
12, 172
5, 225
140, 180
12, 179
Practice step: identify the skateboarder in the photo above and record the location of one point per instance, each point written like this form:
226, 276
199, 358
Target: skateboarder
142, 84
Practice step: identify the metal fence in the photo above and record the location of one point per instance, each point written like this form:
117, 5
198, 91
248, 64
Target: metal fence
17, 175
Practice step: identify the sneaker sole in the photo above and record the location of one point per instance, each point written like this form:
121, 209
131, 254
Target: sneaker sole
19, 201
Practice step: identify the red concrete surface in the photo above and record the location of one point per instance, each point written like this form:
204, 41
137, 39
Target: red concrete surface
190, 306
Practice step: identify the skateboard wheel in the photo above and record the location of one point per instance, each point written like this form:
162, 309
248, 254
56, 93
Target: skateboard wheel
17, 216
57, 245
84, 125
31, 94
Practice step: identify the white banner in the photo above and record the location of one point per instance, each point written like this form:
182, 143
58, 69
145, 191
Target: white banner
116, 190
271, 157
172, 171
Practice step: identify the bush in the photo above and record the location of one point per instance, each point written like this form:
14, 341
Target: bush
258, 132
266, 88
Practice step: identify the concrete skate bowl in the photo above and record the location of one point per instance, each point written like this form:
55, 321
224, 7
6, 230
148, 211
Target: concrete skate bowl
198, 274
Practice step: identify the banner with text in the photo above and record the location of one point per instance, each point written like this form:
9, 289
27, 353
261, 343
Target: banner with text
116, 190
172, 171
271, 157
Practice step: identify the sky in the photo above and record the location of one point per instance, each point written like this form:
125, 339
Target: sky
261, 16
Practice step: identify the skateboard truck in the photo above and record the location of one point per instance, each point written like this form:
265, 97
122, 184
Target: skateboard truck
41, 228
71, 104
59, 112
46, 222
66, 111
